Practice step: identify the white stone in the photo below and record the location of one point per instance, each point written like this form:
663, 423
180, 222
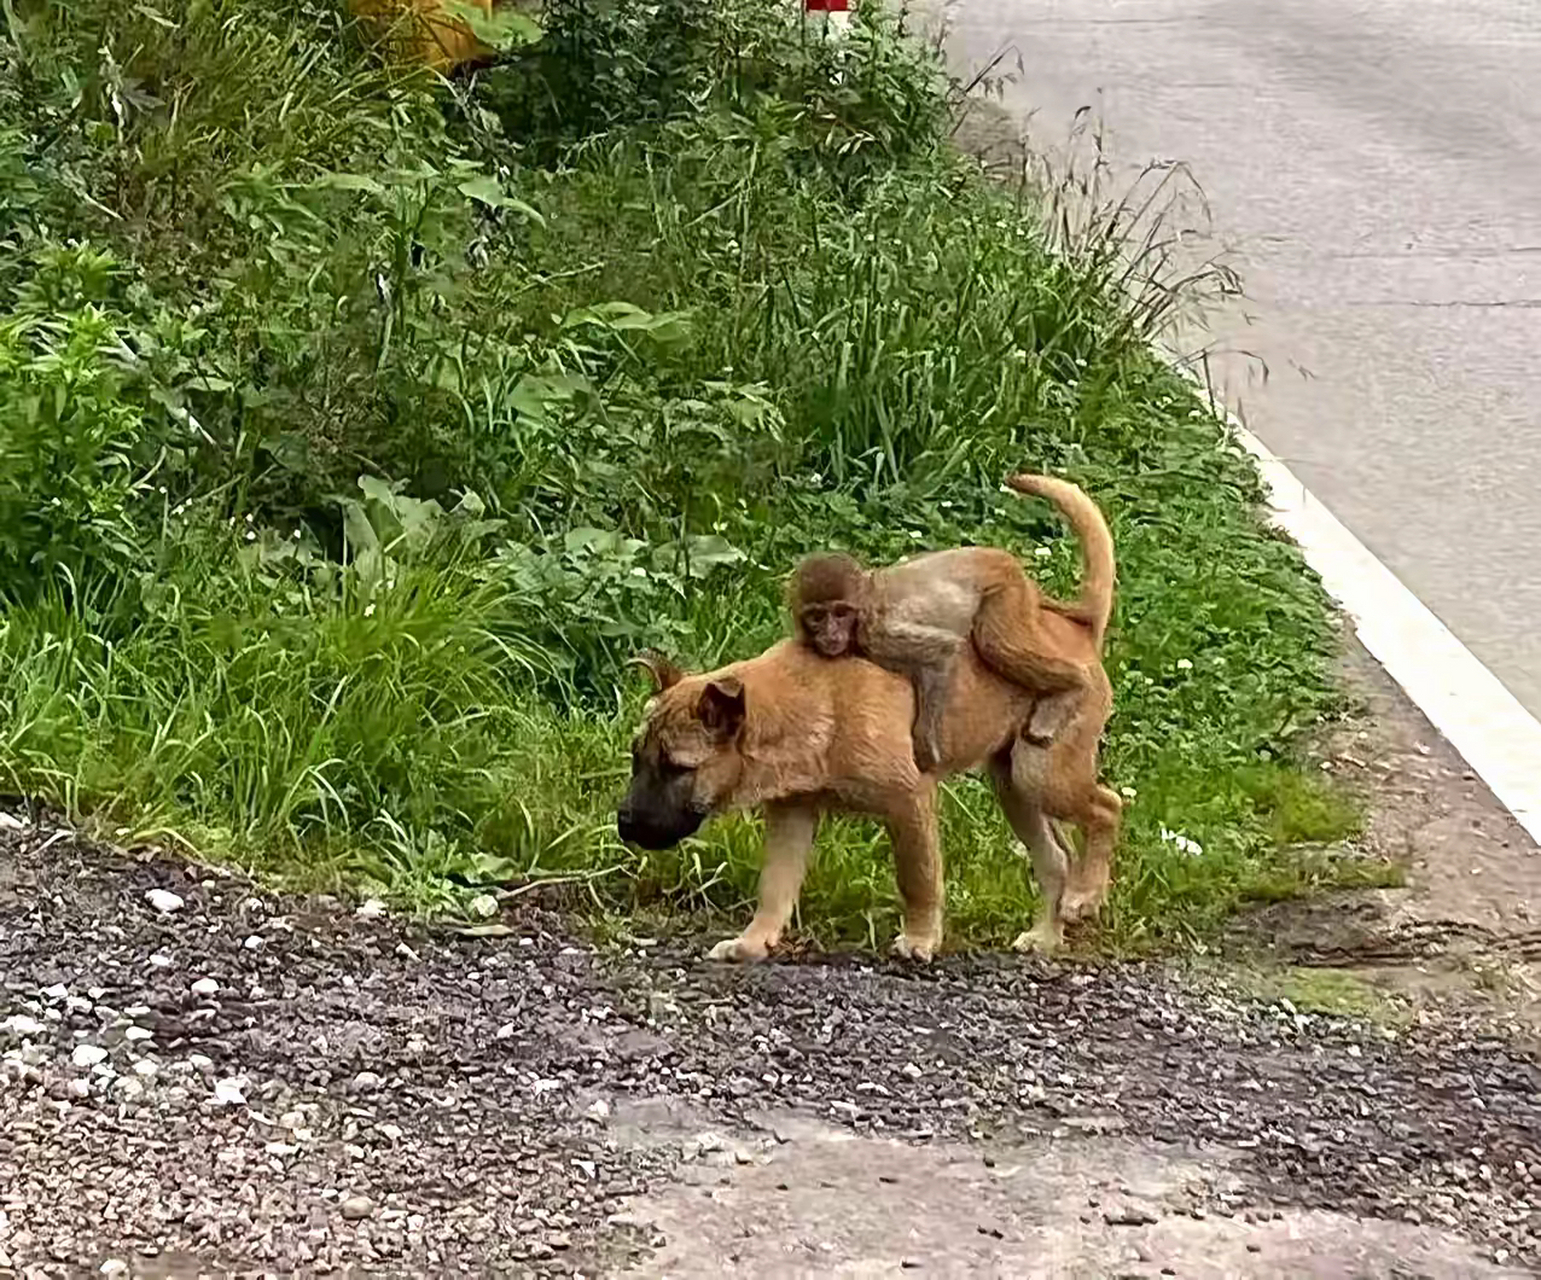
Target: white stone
205, 987
163, 900
231, 1091
88, 1055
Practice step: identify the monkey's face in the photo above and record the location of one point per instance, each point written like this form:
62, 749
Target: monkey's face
831, 628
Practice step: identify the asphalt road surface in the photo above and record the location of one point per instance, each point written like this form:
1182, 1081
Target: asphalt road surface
1375, 166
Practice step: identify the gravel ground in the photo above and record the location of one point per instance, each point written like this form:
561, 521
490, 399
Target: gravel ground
243, 1084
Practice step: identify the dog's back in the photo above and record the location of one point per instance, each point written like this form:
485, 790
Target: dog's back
844, 723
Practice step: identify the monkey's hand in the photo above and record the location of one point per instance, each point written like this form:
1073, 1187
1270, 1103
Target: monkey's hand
927, 753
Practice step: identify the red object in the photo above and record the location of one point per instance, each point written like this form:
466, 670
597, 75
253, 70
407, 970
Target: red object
827, 6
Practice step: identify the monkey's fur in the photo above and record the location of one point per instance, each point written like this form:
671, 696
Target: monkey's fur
914, 618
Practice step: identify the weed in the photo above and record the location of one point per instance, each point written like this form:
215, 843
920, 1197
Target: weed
1334, 992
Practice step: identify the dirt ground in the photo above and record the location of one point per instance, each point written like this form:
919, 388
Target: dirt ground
240, 1083
1465, 930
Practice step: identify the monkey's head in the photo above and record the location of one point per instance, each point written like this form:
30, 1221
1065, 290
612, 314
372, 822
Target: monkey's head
827, 593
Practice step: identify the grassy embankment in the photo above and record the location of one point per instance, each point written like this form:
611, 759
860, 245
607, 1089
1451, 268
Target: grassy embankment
355, 428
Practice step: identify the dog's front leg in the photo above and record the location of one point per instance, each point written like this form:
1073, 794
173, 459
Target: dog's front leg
913, 832
789, 831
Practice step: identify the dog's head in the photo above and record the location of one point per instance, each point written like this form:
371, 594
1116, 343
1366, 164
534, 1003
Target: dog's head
685, 762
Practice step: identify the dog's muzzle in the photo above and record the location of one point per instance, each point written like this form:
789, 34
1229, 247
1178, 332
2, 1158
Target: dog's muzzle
648, 831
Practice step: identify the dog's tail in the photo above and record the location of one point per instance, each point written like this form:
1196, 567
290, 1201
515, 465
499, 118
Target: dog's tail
1098, 571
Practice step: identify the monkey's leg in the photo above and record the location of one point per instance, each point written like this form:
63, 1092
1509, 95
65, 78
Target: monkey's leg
925, 653
1010, 640
931, 682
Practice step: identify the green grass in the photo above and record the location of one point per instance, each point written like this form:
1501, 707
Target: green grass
1336, 992
356, 428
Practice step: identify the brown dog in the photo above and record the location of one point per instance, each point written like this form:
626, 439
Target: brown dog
796, 735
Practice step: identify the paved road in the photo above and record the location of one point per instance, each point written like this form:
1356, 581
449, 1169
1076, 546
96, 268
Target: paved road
1377, 166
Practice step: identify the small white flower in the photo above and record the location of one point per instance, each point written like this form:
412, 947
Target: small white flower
1128, 793
369, 609
1182, 843
1184, 664
1043, 553
296, 535
251, 536
638, 571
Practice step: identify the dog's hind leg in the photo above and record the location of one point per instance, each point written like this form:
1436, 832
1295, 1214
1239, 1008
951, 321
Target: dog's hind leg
790, 828
1061, 780
916, 841
1051, 861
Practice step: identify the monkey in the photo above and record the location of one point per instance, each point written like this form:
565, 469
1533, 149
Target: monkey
913, 618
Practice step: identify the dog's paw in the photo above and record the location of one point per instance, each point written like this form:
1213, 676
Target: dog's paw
1043, 939
1082, 904
739, 950
920, 950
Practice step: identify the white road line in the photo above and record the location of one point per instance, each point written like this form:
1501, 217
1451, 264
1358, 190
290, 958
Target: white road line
1466, 702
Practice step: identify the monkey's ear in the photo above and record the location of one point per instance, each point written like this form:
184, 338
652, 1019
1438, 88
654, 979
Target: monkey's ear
663, 673
722, 706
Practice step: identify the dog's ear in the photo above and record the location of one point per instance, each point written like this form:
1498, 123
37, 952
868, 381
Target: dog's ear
663, 673
722, 706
